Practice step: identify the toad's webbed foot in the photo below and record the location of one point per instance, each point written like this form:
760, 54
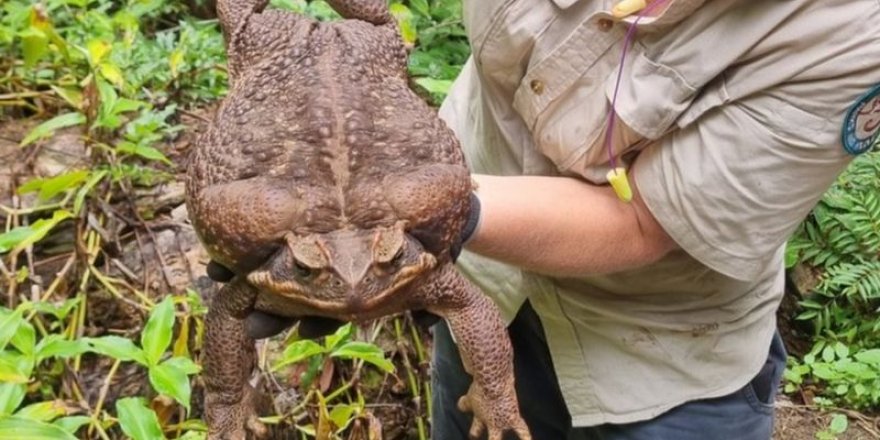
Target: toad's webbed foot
234, 421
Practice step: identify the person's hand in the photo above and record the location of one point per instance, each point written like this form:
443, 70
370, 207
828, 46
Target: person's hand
261, 325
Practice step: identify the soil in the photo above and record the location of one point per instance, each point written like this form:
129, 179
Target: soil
162, 255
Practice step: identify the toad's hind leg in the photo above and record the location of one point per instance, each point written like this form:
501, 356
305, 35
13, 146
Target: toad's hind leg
485, 350
229, 361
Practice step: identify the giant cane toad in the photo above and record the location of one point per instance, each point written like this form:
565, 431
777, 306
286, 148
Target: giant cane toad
331, 190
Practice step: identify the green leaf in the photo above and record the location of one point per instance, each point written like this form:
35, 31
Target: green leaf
438, 86
71, 423
156, 336
51, 187
839, 424
118, 348
97, 50
841, 350
341, 336
47, 128
144, 151
56, 345
421, 6
11, 370
13, 427
869, 356
342, 416
43, 411
24, 236
34, 45
367, 352
72, 96
298, 351
11, 395
85, 189
111, 73
9, 323
59, 311
25, 339
171, 380
405, 22
828, 354
137, 420
184, 364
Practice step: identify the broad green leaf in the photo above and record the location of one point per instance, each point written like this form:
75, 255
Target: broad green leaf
71, 423
47, 128
55, 345
421, 6
365, 351
144, 151
184, 364
342, 416
298, 351
118, 348
97, 50
137, 420
437, 86
11, 395
841, 350
53, 186
839, 424
125, 105
59, 311
170, 380
111, 73
24, 236
12, 427
869, 357
9, 323
156, 336
11, 370
73, 96
43, 411
34, 45
405, 22
341, 336
25, 339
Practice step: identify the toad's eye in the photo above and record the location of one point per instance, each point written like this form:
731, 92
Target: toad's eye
397, 258
302, 270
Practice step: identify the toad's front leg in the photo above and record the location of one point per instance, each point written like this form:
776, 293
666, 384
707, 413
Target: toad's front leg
485, 351
229, 361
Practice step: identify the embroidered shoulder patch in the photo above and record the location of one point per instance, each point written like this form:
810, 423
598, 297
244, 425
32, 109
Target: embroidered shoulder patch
861, 128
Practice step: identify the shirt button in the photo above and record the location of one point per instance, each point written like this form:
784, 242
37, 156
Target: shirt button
537, 86
604, 24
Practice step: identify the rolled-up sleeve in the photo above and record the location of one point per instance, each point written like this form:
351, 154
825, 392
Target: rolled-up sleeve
731, 188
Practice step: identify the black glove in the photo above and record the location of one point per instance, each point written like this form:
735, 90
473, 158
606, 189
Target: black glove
470, 226
262, 325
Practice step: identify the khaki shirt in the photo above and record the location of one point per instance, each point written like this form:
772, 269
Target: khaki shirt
736, 108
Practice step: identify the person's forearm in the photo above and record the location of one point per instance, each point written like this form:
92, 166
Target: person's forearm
564, 226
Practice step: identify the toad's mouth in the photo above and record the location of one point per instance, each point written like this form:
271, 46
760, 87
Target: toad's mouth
351, 304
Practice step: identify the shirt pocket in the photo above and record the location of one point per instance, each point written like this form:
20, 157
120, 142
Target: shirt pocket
561, 97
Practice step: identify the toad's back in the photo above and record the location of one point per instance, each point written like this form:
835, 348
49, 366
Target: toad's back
317, 118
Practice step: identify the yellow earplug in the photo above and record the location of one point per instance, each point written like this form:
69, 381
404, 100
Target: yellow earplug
618, 180
627, 7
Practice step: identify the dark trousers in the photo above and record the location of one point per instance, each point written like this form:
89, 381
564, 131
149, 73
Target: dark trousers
746, 414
